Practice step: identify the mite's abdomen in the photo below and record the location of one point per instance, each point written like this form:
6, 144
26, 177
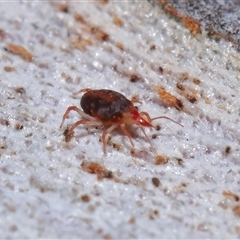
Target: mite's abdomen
106, 105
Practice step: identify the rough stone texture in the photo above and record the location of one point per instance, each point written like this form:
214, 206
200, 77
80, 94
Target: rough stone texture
217, 17
186, 188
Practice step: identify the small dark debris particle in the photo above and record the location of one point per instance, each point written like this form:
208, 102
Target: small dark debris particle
63, 8
184, 76
154, 136
9, 69
134, 78
180, 161
196, 81
160, 69
192, 99
158, 128
227, 149
155, 181
153, 214
180, 86
18, 126
179, 105
108, 174
85, 198
100, 34
183, 184
116, 146
153, 47
20, 90
68, 135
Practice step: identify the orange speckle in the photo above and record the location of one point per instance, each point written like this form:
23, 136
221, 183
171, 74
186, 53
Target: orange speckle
169, 98
161, 159
118, 21
19, 50
192, 25
231, 195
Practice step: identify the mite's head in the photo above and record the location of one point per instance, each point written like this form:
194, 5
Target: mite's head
141, 118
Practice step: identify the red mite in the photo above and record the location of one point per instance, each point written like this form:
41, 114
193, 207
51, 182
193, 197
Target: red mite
109, 108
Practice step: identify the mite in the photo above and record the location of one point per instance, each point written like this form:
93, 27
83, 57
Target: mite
111, 109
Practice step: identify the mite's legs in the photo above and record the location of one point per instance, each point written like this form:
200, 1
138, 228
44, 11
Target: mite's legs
84, 122
80, 112
123, 128
82, 90
168, 119
104, 136
146, 136
145, 116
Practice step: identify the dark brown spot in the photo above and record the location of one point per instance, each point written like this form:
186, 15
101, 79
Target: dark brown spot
161, 159
18, 126
20, 90
108, 174
153, 214
160, 70
155, 181
227, 149
191, 99
100, 34
63, 8
184, 76
180, 86
116, 146
196, 81
154, 136
134, 78
85, 198
179, 104
180, 161
153, 47
68, 134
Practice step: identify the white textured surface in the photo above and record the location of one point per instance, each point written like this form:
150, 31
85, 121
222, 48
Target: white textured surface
42, 182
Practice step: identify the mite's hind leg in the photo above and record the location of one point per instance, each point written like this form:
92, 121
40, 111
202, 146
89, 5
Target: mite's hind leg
86, 123
104, 136
148, 139
69, 132
79, 111
123, 128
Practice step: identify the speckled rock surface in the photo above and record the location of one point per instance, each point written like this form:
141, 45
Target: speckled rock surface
187, 187
219, 18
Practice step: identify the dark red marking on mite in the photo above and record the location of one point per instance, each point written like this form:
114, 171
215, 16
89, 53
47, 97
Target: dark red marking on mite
109, 108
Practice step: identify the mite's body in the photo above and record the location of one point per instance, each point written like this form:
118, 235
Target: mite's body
109, 108
106, 105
